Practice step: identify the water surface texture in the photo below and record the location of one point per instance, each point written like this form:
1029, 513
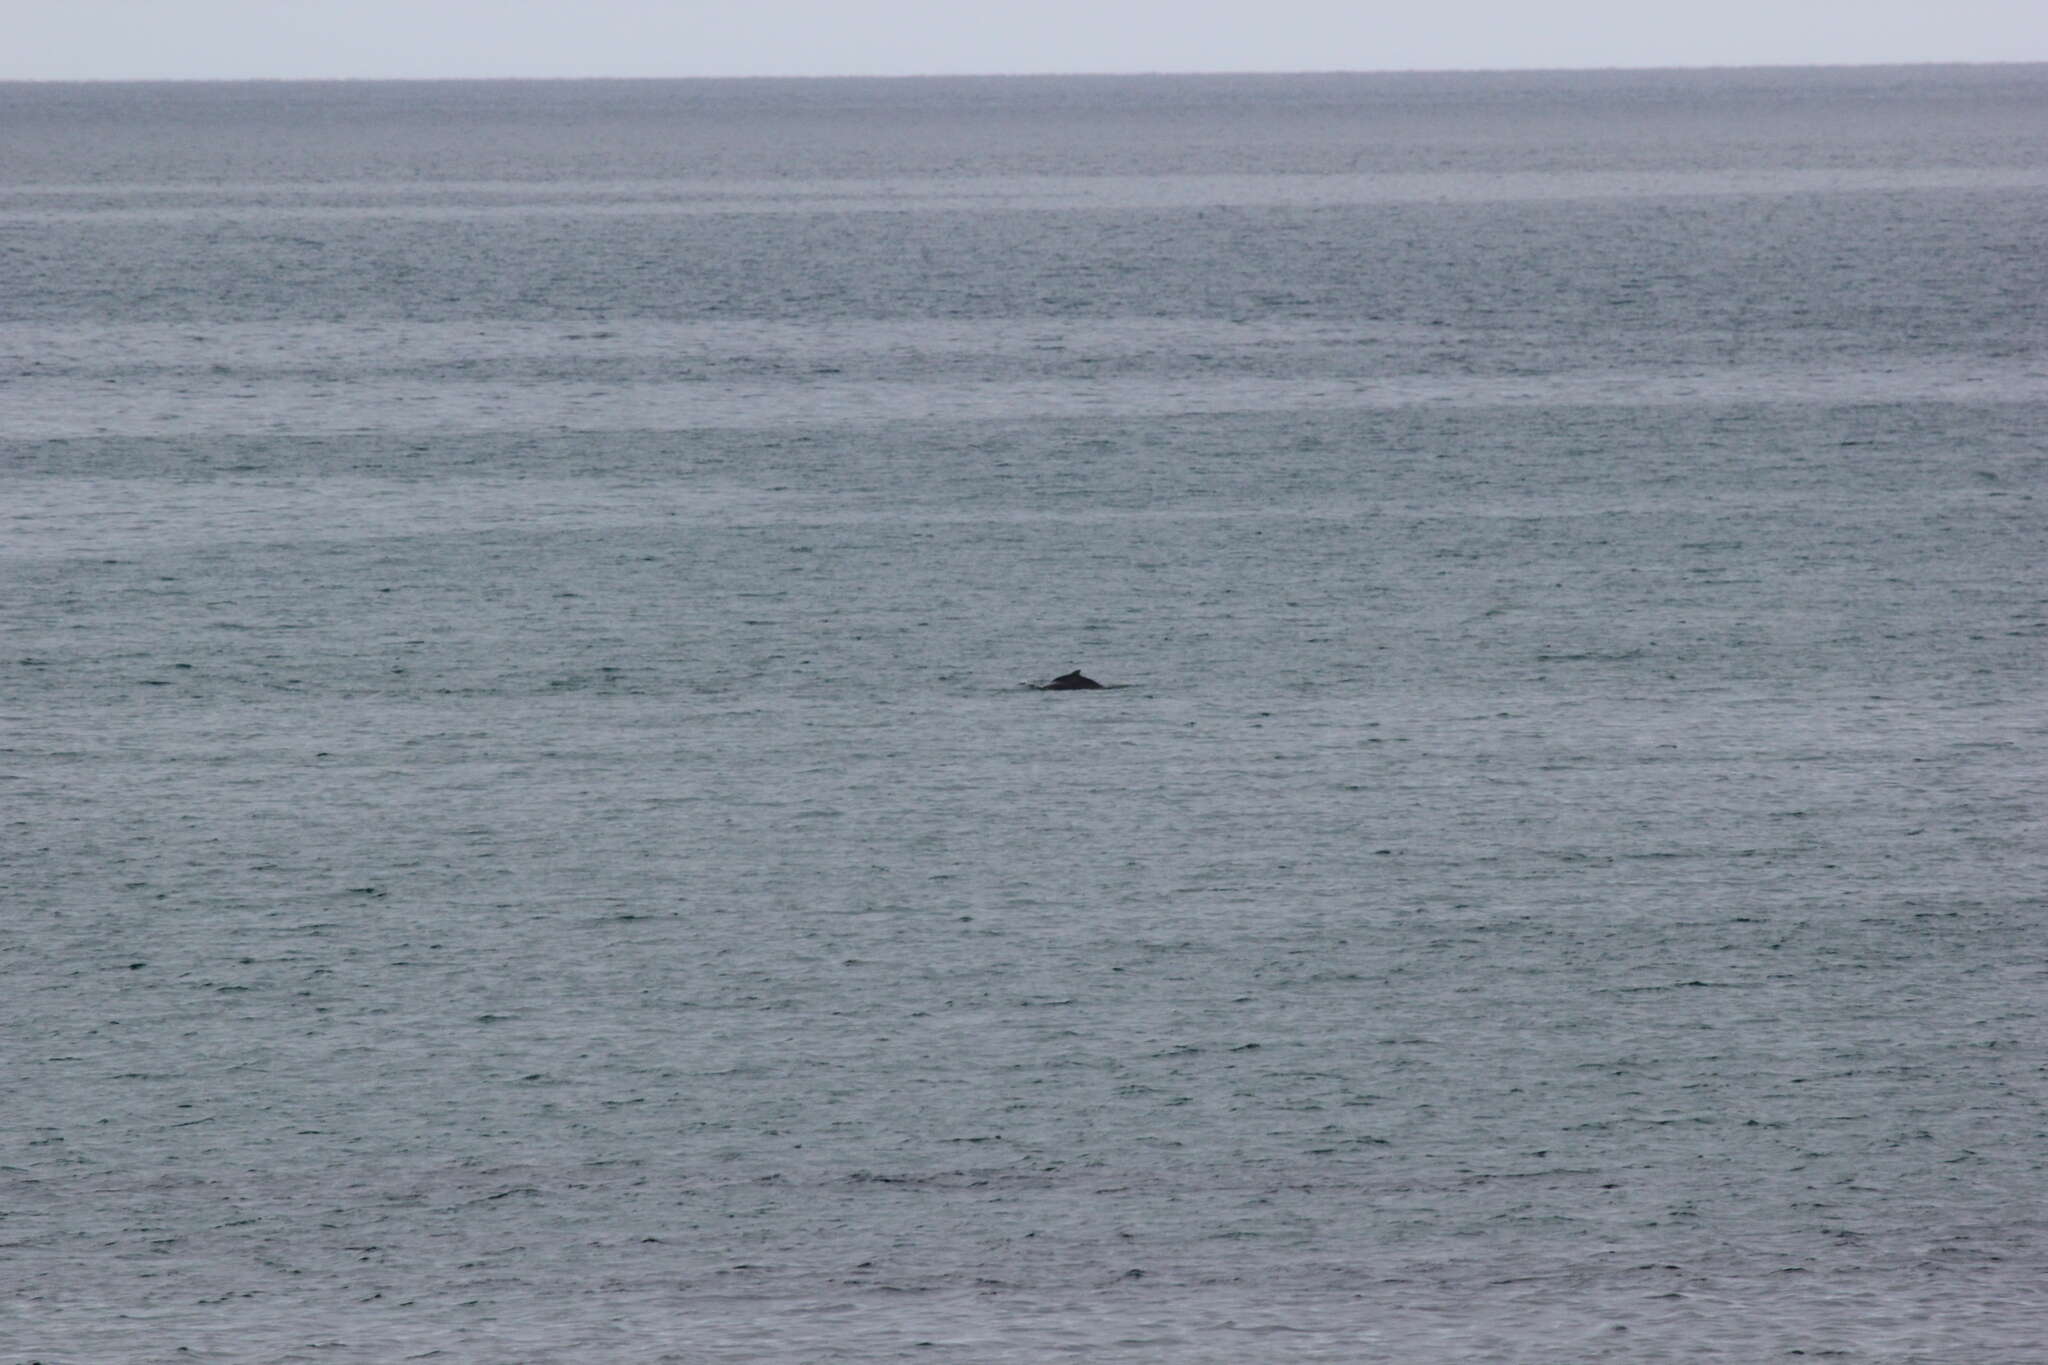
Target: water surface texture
525, 837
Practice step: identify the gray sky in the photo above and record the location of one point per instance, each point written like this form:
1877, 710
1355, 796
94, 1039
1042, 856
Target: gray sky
120, 39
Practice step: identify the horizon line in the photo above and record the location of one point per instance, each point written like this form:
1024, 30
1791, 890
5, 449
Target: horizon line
1122, 74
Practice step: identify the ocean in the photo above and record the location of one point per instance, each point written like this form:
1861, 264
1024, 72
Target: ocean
529, 837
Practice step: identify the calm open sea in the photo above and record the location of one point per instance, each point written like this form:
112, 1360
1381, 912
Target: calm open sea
525, 839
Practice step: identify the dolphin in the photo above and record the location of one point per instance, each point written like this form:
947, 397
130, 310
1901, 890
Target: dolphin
1068, 682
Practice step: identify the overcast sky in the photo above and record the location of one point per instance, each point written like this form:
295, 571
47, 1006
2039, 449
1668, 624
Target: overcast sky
123, 39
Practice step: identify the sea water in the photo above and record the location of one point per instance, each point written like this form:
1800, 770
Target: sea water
526, 837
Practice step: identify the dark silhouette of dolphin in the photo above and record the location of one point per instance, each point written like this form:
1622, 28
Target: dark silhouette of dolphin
1068, 682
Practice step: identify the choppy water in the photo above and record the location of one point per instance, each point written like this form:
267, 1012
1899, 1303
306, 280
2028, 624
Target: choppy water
524, 839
